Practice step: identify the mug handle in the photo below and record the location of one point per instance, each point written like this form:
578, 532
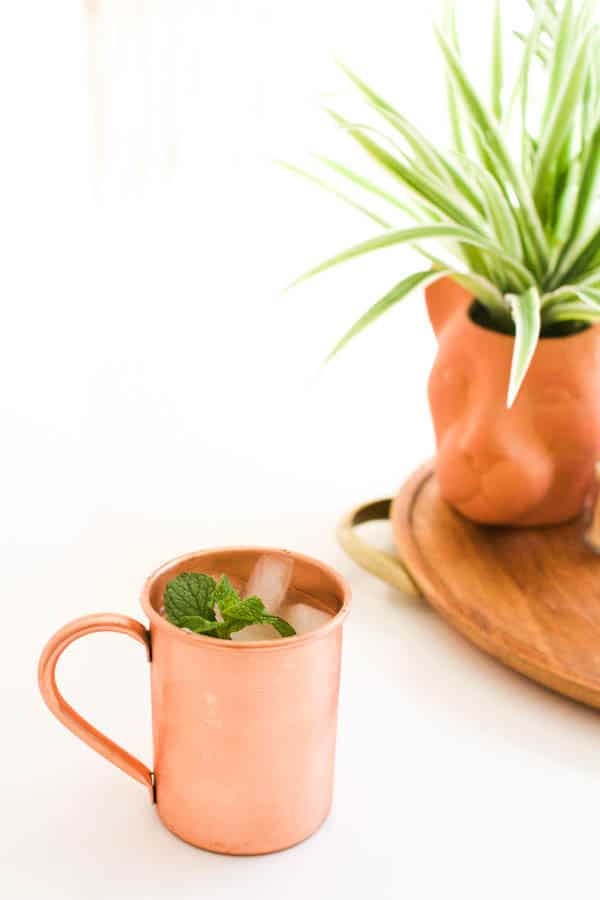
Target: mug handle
66, 714
385, 566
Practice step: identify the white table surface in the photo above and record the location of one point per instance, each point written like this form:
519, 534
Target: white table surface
455, 777
159, 395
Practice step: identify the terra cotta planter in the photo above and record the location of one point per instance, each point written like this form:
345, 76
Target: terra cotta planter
244, 732
528, 465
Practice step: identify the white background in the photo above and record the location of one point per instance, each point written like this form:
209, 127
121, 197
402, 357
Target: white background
160, 394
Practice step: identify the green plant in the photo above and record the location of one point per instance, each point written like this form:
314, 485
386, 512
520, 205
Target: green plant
193, 598
513, 204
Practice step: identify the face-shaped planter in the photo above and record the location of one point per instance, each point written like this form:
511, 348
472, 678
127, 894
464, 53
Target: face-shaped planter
528, 465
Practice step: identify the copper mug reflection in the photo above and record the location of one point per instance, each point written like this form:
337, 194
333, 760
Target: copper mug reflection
244, 732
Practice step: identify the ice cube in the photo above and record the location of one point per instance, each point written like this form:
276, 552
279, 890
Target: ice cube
270, 579
302, 616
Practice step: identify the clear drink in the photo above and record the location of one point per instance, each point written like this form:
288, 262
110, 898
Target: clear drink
270, 581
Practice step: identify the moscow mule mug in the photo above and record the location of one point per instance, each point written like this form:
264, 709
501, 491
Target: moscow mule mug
243, 732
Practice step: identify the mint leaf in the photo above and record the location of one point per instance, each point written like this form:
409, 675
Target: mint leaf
284, 628
197, 624
189, 597
248, 611
226, 629
238, 614
225, 594
190, 601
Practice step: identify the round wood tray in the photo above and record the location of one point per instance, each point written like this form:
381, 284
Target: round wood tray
528, 596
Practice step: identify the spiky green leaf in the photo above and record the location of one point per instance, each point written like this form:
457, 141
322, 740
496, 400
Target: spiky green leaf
397, 293
484, 122
527, 319
497, 78
375, 217
420, 233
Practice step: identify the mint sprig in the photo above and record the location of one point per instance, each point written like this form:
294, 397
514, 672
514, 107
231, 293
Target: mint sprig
192, 600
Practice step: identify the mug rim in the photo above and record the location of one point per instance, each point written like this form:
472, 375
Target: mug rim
244, 646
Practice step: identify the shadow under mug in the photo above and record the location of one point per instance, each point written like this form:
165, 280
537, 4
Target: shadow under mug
243, 732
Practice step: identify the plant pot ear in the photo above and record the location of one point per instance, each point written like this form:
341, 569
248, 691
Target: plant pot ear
445, 299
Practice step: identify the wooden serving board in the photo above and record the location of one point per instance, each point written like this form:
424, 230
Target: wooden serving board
529, 597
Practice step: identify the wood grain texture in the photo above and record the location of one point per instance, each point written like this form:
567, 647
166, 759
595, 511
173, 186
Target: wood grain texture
529, 596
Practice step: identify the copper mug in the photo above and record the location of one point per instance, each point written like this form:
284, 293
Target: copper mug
244, 732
